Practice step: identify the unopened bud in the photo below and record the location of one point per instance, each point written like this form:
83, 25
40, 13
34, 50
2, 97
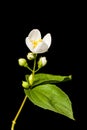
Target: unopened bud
30, 56
25, 84
31, 79
42, 62
22, 62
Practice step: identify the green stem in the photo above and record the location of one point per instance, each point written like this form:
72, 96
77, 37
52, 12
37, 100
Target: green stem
33, 72
34, 65
29, 68
31, 78
37, 70
14, 121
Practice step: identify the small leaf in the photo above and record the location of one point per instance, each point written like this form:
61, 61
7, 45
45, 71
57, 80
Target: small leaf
43, 78
51, 97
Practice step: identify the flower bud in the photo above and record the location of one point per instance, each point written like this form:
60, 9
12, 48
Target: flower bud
30, 56
25, 84
42, 62
31, 79
22, 62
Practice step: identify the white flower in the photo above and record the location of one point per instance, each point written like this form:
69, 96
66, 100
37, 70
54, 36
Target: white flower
42, 62
36, 44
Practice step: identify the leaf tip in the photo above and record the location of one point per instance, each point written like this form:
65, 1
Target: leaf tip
73, 119
70, 76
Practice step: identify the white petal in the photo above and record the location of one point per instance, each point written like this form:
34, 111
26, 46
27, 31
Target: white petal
34, 34
29, 44
41, 48
47, 39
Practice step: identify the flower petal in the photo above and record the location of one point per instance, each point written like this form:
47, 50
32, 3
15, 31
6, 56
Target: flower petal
34, 34
41, 48
47, 39
29, 44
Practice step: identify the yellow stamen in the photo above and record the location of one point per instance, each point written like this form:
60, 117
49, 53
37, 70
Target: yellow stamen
35, 43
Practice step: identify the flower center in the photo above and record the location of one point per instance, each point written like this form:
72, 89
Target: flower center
36, 42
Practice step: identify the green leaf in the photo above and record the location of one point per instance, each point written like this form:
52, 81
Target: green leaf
43, 78
51, 97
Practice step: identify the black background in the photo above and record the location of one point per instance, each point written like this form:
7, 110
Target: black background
63, 22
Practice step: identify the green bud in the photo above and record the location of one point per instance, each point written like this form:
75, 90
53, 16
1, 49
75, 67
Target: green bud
22, 62
31, 79
42, 62
25, 84
30, 56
